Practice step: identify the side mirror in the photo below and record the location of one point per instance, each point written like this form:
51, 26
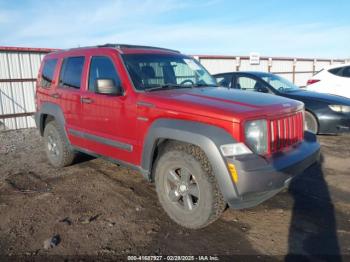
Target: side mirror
107, 87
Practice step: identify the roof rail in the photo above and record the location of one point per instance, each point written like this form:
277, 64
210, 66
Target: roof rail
120, 46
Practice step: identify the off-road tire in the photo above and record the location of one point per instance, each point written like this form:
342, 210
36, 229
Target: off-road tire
210, 203
66, 155
311, 123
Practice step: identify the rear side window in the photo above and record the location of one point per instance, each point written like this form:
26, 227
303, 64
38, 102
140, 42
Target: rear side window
246, 83
341, 71
101, 67
71, 71
346, 71
336, 71
224, 81
48, 72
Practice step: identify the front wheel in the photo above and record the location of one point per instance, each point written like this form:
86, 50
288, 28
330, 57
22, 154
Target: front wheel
186, 186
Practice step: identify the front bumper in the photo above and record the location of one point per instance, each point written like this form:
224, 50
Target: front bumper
260, 178
333, 123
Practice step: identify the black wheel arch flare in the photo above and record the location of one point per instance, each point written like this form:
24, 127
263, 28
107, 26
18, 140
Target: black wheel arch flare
207, 137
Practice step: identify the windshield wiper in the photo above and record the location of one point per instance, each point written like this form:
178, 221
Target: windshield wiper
166, 87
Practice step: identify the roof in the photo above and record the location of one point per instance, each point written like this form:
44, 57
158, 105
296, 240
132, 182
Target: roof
124, 48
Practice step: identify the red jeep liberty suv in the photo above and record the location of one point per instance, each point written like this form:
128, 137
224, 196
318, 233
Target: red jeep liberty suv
160, 112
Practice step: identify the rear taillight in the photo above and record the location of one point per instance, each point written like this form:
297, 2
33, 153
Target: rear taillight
312, 81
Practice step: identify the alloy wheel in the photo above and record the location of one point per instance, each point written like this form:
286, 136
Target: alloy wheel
182, 188
52, 145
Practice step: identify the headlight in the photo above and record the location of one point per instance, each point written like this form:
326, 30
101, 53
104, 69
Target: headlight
340, 108
235, 149
256, 136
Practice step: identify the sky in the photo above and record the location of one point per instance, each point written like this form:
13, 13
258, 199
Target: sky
317, 29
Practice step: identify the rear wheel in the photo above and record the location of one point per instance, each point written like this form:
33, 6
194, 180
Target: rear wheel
56, 146
311, 122
186, 186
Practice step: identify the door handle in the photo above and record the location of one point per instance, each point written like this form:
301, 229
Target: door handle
55, 95
86, 100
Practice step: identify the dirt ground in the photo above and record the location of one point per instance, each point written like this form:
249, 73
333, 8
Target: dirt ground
101, 210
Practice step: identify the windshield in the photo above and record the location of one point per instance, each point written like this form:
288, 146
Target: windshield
279, 83
149, 71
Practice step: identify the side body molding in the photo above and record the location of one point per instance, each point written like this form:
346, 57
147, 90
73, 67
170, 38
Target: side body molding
207, 137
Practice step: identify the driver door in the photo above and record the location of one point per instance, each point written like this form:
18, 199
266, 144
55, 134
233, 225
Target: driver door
109, 126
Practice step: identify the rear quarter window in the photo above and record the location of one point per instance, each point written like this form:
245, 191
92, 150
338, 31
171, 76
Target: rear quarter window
336, 71
346, 71
343, 71
47, 73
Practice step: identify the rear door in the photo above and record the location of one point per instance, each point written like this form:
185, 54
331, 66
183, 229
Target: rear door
67, 93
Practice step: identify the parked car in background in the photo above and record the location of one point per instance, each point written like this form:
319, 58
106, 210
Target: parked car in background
331, 80
324, 113
160, 112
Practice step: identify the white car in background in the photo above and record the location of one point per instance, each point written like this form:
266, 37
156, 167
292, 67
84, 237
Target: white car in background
332, 80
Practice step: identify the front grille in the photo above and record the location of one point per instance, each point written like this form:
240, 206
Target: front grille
286, 131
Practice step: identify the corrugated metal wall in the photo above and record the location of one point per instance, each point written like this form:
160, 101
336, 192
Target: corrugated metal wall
18, 70
19, 67
297, 70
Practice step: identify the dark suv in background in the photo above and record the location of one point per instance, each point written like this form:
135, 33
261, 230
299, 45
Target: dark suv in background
324, 113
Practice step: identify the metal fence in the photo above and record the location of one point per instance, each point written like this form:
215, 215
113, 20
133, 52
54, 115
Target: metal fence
19, 68
297, 70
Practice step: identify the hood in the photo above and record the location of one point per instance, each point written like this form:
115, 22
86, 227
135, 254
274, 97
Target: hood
322, 97
227, 104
